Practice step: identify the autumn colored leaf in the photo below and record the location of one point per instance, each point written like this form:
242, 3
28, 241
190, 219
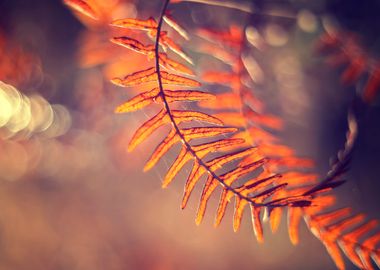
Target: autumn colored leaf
331, 217
148, 128
334, 252
365, 253
256, 223
275, 219
261, 181
163, 117
217, 52
294, 217
232, 118
82, 7
136, 78
209, 147
352, 73
208, 188
343, 48
173, 79
232, 37
269, 121
221, 78
205, 132
147, 25
173, 24
187, 95
238, 213
225, 197
166, 62
166, 41
150, 75
348, 242
183, 157
183, 116
133, 44
138, 102
225, 101
372, 86
171, 139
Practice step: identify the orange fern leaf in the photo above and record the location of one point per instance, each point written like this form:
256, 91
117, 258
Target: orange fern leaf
153, 96
133, 44
147, 25
172, 23
150, 75
136, 78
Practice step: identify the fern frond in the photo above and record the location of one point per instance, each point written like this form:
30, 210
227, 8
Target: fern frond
226, 149
344, 49
240, 108
243, 137
339, 230
289, 184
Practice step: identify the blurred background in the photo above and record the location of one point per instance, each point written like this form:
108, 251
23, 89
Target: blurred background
71, 197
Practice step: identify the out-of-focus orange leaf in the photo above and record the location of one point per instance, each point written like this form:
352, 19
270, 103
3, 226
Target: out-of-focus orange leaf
294, 218
233, 37
269, 121
172, 23
174, 65
344, 48
222, 78
275, 219
224, 101
352, 73
334, 252
166, 41
183, 116
82, 7
372, 86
